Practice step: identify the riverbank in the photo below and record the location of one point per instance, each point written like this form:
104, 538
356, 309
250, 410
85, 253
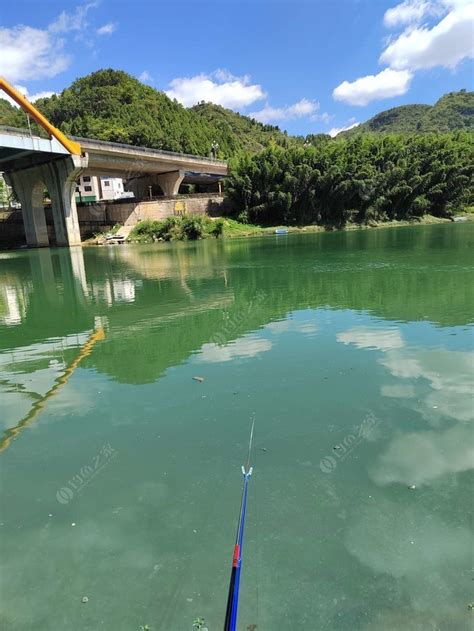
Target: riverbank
149, 232
233, 229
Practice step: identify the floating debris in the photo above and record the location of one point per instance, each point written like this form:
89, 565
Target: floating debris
263, 448
336, 447
73, 523
412, 487
198, 379
471, 606
84, 599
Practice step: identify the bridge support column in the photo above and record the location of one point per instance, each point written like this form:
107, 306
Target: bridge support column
169, 182
59, 178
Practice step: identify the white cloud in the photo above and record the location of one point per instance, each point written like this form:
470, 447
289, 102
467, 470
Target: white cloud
406, 12
385, 84
30, 53
446, 44
107, 29
302, 108
145, 77
76, 21
334, 131
219, 87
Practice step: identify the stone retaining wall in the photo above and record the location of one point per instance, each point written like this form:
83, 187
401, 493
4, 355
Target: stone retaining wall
102, 216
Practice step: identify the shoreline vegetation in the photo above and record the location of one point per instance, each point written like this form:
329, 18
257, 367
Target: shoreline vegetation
147, 231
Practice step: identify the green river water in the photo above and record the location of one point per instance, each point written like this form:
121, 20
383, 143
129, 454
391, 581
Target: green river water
120, 473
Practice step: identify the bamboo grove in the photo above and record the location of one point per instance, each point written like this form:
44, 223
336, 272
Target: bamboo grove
361, 180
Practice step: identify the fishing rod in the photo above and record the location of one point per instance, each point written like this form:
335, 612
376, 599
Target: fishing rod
233, 597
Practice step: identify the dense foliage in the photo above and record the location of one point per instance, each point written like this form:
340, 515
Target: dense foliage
112, 105
368, 178
187, 228
236, 132
451, 112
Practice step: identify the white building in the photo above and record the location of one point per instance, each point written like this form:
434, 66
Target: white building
112, 187
87, 189
91, 188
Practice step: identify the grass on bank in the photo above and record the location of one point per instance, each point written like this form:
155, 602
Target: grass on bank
194, 227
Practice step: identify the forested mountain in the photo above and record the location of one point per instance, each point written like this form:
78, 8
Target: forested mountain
451, 112
241, 132
113, 105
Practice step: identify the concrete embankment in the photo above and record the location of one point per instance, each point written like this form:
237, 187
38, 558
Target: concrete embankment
102, 216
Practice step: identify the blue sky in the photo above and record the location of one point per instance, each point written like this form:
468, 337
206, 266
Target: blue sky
308, 66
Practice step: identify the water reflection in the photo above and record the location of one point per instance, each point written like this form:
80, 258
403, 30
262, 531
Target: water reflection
65, 372
423, 552
311, 335
421, 457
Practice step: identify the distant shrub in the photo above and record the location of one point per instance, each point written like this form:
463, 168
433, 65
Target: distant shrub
170, 229
192, 227
216, 229
243, 217
145, 230
189, 227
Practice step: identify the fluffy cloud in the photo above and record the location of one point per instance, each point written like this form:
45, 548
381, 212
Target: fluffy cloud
446, 44
406, 12
76, 21
107, 29
300, 109
219, 87
30, 53
334, 131
417, 47
387, 83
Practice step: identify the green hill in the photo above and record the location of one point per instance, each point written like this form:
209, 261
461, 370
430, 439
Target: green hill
451, 112
112, 105
237, 132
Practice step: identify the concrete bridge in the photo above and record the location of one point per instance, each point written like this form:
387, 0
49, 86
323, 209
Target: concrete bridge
31, 164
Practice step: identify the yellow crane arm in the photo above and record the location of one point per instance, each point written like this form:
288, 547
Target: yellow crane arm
70, 145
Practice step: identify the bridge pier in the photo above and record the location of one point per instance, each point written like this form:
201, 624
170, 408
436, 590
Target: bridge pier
169, 182
59, 178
